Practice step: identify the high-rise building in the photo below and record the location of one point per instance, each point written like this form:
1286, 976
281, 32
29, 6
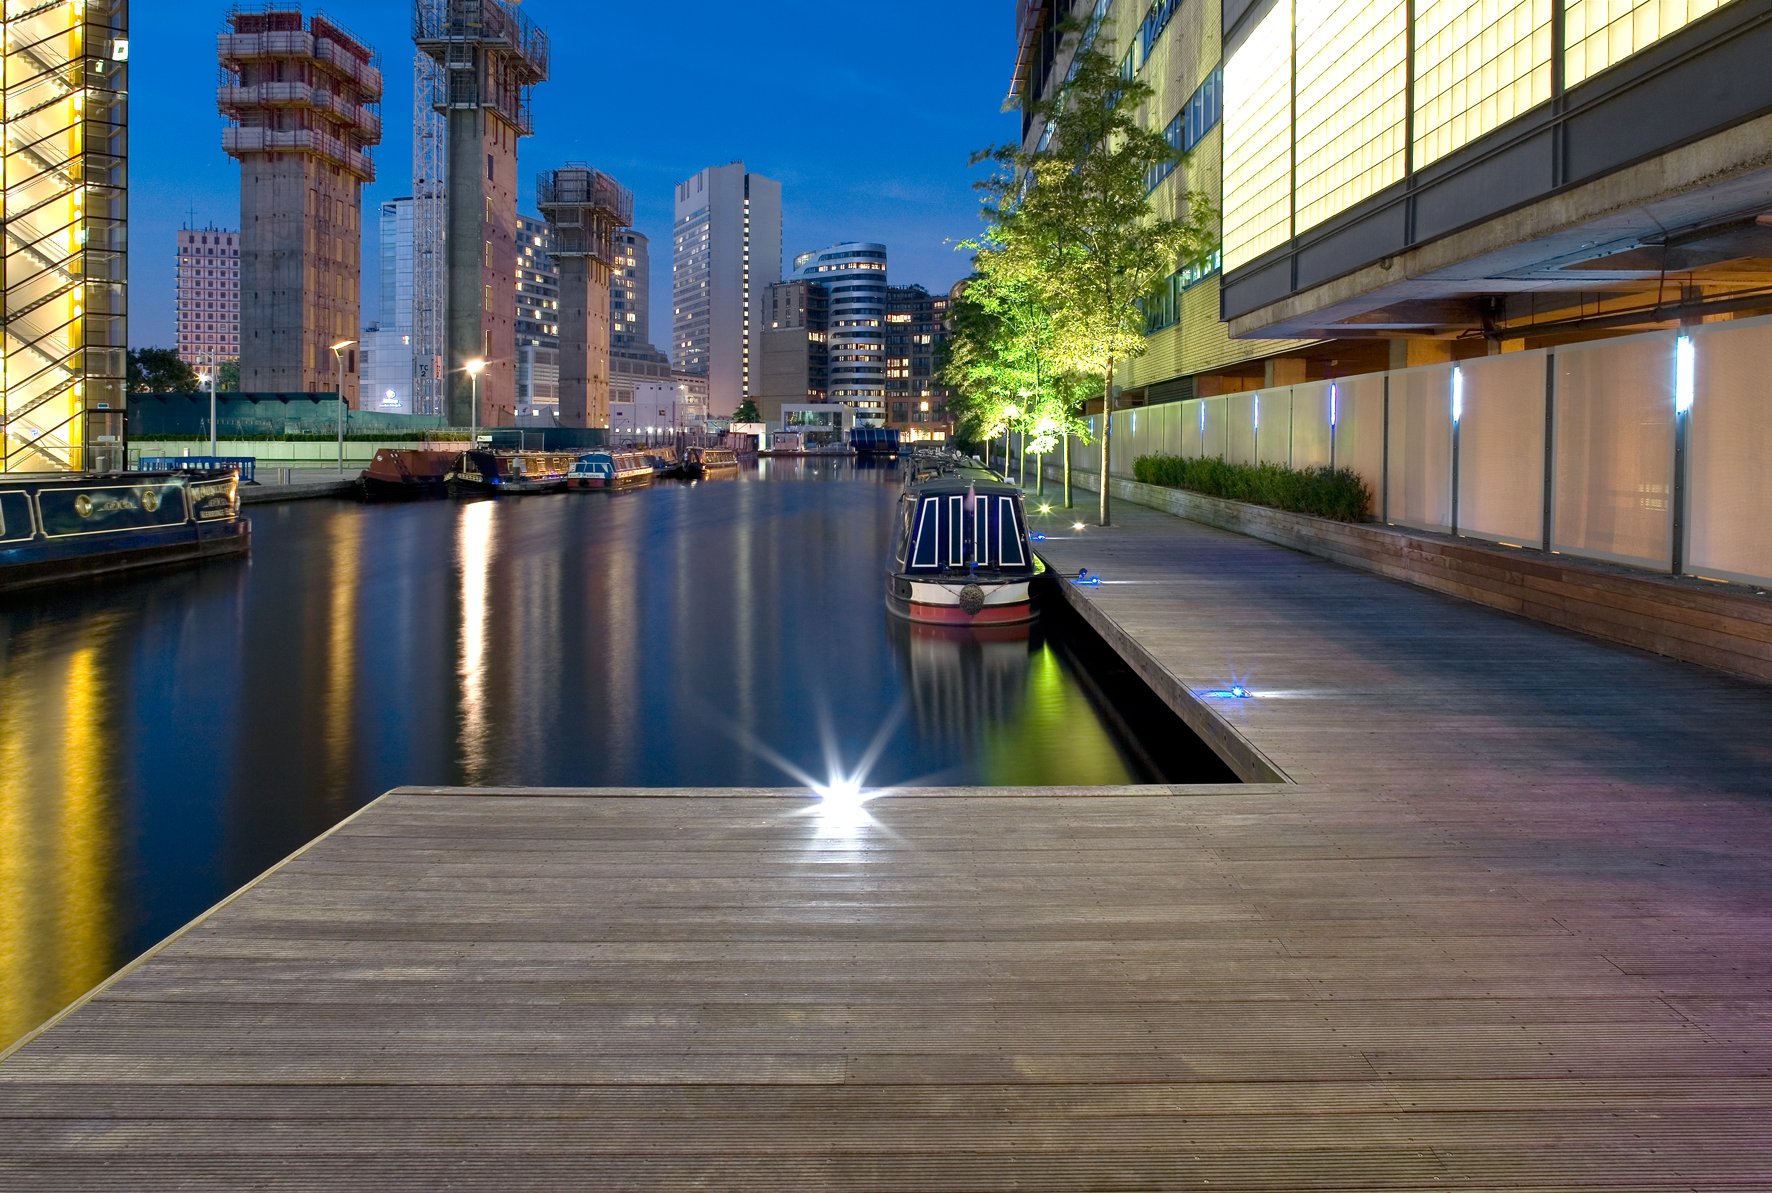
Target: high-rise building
629, 303
208, 296
492, 56
538, 314
584, 208
388, 351
916, 326
62, 291
726, 248
301, 102
854, 275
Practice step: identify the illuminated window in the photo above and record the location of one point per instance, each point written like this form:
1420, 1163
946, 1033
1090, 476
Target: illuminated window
1478, 64
1598, 33
1258, 139
1351, 103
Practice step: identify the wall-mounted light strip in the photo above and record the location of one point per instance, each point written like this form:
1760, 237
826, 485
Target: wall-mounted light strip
1685, 372
1332, 404
1457, 393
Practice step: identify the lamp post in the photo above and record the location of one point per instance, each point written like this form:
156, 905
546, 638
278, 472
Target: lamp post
209, 379
474, 368
338, 356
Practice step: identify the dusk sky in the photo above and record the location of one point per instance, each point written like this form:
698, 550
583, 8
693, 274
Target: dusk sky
866, 114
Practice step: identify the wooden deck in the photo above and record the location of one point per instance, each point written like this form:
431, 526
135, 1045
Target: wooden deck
1507, 929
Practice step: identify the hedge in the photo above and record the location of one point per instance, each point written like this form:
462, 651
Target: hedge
1337, 493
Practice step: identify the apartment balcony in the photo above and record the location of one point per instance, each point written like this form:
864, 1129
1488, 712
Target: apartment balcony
240, 142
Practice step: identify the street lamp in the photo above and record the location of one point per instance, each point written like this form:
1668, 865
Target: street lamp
208, 379
474, 368
338, 356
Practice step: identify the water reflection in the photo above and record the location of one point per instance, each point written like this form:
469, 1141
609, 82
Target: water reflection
167, 737
1004, 693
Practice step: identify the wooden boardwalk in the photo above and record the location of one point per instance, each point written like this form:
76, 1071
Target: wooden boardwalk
1507, 929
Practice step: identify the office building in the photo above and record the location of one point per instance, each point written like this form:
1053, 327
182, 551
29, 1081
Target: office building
207, 306
492, 56
388, 353
725, 250
630, 304
795, 367
853, 274
916, 326
62, 388
538, 313
300, 99
584, 208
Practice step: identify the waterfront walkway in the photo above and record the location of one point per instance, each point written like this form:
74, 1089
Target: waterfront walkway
1505, 927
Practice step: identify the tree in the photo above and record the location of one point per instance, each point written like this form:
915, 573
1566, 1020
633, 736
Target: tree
227, 377
1076, 219
747, 413
160, 371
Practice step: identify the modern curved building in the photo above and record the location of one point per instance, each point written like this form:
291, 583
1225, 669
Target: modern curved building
853, 273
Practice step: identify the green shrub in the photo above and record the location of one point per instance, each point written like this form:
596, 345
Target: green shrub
1337, 493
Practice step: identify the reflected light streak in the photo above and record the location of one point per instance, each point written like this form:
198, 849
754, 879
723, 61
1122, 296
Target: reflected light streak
83, 856
474, 551
341, 654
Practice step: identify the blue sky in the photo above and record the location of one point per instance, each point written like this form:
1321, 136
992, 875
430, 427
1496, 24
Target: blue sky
866, 113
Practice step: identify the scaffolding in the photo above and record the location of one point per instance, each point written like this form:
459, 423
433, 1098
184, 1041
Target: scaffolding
491, 56
430, 165
583, 208
62, 84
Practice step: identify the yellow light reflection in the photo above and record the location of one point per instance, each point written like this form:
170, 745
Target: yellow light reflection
474, 551
55, 904
341, 654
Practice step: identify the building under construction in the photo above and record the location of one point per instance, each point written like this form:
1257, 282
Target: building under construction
491, 57
301, 103
584, 207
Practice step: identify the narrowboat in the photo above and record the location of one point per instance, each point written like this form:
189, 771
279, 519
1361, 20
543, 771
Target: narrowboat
664, 459
609, 469
66, 527
407, 472
961, 554
710, 461
493, 473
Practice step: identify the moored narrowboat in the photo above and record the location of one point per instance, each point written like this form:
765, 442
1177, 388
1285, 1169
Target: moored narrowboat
407, 472
496, 473
609, 469
961, 555
55, 527
664, 458
710, 461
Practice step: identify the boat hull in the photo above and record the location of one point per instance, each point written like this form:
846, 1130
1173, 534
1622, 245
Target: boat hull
961, 602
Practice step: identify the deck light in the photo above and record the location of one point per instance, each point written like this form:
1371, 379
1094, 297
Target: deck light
1045, 509
1239, 691
1076, 526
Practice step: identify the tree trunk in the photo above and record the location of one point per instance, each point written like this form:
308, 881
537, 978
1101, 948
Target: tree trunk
1067, 468
1005, 453
1107, 437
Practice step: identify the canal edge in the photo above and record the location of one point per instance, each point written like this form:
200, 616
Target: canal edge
1243, 756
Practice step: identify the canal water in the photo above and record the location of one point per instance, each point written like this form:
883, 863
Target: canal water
167, 737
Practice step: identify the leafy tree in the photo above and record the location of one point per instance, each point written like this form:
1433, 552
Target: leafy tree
747, 413
159, 370
227, 377
1076, 220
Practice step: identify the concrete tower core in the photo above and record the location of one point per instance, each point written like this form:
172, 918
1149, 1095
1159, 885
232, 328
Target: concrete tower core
301, 102
491, 56
584, 207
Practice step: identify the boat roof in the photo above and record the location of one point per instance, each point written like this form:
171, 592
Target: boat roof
979, 480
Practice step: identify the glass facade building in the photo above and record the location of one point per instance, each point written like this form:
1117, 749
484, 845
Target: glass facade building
64, 71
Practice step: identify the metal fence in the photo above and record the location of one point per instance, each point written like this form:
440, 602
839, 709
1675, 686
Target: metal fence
1653, 450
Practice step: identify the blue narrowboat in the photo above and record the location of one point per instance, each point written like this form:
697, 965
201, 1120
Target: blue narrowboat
961, 553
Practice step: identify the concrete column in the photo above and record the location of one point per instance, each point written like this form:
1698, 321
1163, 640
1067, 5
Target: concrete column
1406, 353
584, 342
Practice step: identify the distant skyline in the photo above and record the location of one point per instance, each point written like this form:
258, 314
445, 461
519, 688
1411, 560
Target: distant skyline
865, 114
